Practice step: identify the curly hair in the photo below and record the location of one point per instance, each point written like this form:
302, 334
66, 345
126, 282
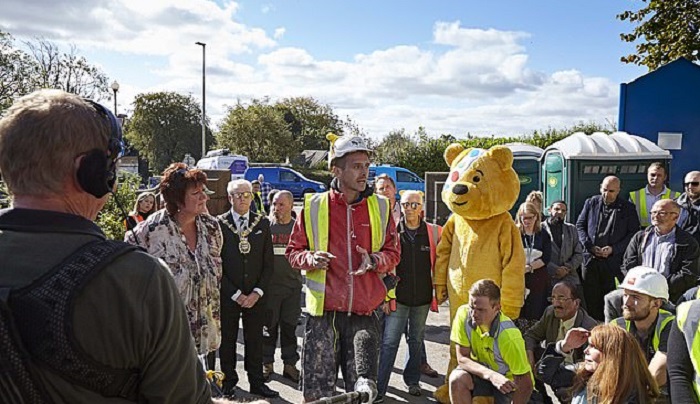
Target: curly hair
622, 373
177, 178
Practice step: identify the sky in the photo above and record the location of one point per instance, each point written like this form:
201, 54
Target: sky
453, 67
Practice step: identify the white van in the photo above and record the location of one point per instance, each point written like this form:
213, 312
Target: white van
222, 159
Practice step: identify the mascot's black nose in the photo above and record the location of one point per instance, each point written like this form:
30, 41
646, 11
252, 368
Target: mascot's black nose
460, 189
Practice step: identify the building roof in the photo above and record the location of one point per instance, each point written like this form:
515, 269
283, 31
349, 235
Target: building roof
601, 146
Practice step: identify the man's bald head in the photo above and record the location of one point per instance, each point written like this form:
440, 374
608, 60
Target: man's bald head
610, 189
691, 184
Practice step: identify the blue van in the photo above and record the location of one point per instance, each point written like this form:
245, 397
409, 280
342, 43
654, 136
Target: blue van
403, 178
286, 179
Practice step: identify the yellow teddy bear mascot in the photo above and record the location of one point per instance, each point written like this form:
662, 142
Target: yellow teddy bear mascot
480, 239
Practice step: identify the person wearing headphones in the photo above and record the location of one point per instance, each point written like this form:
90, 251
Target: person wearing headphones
103, 319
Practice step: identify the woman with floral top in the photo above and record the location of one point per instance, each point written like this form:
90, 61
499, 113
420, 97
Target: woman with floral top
189, 240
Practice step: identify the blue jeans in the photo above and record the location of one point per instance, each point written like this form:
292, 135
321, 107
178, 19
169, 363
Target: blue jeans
394, 327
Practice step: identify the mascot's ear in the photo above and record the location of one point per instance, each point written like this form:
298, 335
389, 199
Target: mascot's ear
452, 152
402, 192
503, 156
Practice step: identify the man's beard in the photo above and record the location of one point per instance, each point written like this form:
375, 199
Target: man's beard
555, 219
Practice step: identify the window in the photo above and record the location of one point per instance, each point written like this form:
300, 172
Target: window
403, 176
286, 176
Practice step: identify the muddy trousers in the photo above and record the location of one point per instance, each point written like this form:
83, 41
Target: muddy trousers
328, 346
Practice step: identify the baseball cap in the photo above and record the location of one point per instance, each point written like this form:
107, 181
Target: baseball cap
647, 281
342, 145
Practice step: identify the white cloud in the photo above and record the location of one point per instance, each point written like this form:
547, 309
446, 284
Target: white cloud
468, 80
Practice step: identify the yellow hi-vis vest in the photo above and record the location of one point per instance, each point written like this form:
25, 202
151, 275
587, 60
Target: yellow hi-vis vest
688, 319
639, 199
665, 317
316, 222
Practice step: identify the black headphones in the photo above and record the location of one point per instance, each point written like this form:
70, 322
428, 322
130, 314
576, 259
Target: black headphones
97, 172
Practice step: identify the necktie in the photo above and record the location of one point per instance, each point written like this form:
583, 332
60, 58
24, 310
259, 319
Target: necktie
242, 223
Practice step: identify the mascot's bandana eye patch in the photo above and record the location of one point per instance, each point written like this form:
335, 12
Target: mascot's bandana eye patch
458, 171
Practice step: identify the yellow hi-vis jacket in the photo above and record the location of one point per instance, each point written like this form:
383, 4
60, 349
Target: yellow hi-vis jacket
688, 320
316, 223
664, 318
639, 199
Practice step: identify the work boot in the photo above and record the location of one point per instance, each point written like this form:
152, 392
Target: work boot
291, 372
268, 370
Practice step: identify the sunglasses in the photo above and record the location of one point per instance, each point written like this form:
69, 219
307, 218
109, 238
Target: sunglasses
242, 195
691, 183
412, 205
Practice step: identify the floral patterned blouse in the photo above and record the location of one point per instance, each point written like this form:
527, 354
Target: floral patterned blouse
197, 273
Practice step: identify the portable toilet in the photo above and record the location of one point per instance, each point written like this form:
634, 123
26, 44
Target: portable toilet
574, 167
526, 163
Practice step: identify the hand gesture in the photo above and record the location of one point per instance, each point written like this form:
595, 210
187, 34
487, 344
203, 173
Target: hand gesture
321, 259
250, 300
575, 338
366, 263
441, 293
561, 272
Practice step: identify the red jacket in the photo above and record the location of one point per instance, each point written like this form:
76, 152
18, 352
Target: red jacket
348, 227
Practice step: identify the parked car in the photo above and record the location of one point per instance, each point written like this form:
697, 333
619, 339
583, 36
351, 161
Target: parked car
404, 179
285, 178
222, 159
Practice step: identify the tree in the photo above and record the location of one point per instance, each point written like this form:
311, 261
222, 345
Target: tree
45, 66
165, 126
16, 70
394, 147
258, 130
111, 217
309, 121
667, 30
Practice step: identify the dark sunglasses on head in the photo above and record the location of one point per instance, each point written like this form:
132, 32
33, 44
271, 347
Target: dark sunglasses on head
692, 183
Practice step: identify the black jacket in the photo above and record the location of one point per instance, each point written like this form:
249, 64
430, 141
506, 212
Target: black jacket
415, 287
685, 264
245, 272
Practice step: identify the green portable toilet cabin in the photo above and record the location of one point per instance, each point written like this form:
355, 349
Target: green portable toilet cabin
526, 163
574, 167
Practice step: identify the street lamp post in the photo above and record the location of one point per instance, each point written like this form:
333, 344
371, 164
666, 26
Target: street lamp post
115, 88
204, 96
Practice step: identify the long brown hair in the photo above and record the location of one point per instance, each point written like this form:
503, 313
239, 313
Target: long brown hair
622, 372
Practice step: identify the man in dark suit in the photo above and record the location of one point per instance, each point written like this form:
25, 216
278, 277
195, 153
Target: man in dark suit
605, 226
247, 257
564, 314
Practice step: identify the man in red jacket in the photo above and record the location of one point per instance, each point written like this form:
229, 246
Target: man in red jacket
344, 239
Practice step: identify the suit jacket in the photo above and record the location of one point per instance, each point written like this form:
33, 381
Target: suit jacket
547, 329
245, 272
571, 252
626, 225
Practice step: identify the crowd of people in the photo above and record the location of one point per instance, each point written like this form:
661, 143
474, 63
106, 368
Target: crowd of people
611, 308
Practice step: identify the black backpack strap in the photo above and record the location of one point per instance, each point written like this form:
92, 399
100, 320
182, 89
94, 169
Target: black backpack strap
17, 384
43, 313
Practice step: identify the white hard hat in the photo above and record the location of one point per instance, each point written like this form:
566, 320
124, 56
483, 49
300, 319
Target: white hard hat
342, 145
647, 281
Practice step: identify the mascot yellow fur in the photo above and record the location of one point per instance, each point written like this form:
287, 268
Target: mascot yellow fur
480, 239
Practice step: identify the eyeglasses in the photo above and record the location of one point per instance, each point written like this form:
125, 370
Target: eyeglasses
413, 205
242, 195
661, 213
552, 299
691, 183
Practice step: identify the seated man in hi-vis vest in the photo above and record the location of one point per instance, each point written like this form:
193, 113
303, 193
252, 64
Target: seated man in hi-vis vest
344, 238
656, 190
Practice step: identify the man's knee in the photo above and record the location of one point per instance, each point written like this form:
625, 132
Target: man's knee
460, 381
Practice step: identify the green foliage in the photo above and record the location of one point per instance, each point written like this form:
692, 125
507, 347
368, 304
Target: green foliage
164, 127
422, 153
309, 121
664, 31
111, 218
44, 65
257, 130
